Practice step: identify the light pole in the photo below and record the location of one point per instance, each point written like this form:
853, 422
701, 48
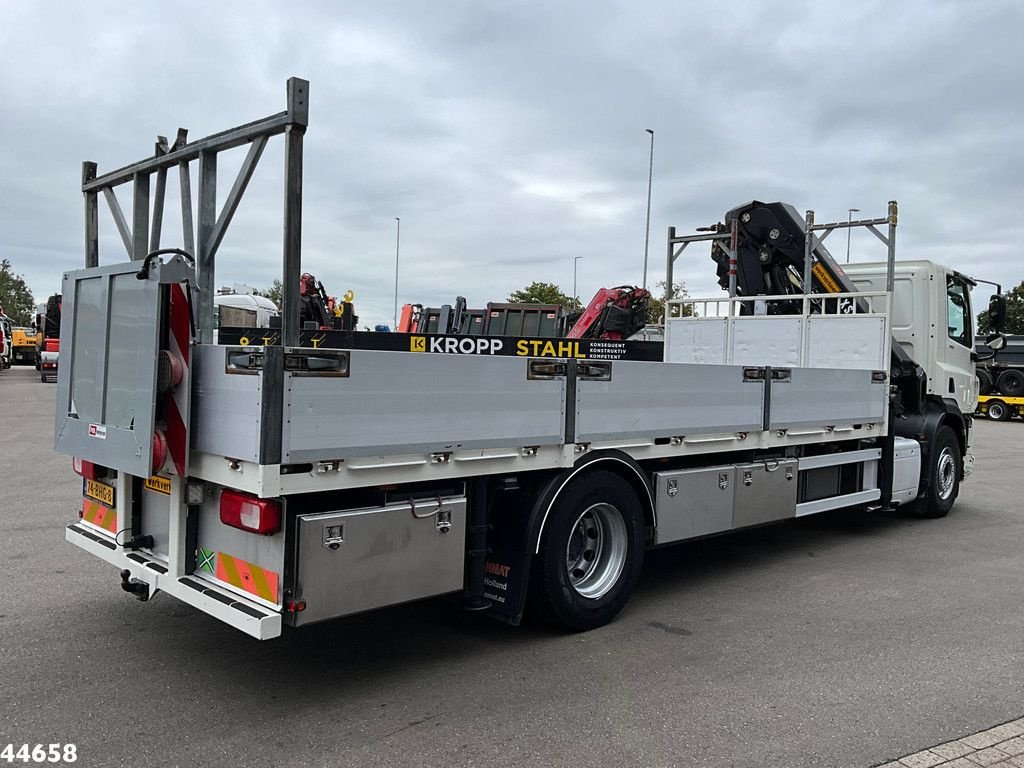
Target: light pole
398, 240
575, 260
647, 230
849, 218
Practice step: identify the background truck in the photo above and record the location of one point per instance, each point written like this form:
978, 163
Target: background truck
285, 476
1000, 407
48, 351
239, 306
1003, 374
6, 332
24, 343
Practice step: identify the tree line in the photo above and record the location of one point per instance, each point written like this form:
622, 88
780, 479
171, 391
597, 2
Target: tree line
15, 298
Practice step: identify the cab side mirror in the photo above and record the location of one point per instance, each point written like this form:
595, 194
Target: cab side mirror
997, 313
996, 341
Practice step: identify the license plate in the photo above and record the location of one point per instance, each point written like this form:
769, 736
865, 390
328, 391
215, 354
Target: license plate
104, 494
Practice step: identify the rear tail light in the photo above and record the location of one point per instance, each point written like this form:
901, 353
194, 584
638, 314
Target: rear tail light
87, 469
240, 510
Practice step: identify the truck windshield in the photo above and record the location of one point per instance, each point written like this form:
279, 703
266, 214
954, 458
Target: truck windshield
958, 305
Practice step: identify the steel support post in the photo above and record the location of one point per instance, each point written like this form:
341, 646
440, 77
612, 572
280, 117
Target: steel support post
140, 216
92, 217
734, 244
204, 258
298, 112
188, 233
890, 275
160, 149
668, 268
808, 251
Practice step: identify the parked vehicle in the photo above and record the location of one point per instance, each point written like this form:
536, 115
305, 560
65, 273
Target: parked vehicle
1003, 373
24, 343
6, 332
1000, 407
48, 351
285, 476
239, 306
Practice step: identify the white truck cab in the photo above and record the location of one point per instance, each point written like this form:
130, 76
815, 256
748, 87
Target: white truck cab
931, 318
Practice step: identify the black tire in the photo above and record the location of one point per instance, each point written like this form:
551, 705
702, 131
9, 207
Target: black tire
984, 382
599, 513
945, 468
1011, 383
998, 410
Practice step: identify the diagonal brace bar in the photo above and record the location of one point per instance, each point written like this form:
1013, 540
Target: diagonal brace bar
871, 228
235, 195
119, 219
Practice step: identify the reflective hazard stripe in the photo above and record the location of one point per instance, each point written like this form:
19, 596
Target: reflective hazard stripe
99, 515
179, 341
253, 579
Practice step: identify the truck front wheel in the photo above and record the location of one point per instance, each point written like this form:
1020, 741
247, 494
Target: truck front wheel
591, 552
944, 482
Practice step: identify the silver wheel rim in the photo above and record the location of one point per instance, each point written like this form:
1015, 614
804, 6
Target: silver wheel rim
995, 411
946, 469
596, 551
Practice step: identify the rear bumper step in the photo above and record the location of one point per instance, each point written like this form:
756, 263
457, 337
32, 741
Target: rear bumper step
254, 620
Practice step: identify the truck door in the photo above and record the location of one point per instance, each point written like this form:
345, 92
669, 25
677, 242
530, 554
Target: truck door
954, 363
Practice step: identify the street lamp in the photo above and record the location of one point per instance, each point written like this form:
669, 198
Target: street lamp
849, 218
575, 259
647, 230
398, 240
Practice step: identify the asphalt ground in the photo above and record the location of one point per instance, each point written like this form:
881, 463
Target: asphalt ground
841, 640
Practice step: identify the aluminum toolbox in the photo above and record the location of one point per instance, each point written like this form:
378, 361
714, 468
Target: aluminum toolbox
700, 502
693, 502
357, 560
765, 491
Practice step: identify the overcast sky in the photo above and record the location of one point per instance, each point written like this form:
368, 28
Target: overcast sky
509, 136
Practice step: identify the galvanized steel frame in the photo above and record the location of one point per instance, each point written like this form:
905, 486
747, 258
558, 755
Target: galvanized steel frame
141, 236
677, 244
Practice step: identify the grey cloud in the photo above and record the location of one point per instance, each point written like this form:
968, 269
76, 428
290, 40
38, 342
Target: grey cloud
510, 137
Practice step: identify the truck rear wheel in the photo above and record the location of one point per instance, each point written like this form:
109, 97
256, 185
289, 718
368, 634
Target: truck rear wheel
997, 410
591, 552
944, 480
1011, 383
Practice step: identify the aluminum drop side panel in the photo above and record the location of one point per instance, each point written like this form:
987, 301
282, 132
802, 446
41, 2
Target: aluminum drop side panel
395, 402
663, 399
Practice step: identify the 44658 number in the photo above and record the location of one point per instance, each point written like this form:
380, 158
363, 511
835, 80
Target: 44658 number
39, 753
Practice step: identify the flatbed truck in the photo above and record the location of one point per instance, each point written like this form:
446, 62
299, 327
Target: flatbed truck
285, 476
